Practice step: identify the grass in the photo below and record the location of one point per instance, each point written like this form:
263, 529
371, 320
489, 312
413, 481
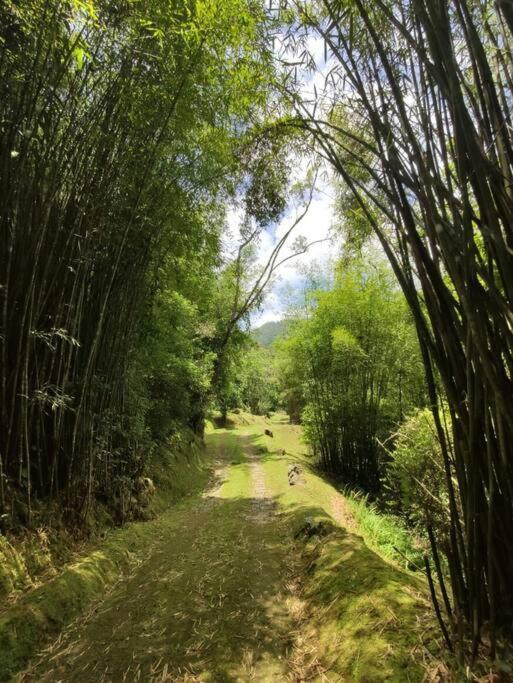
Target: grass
14, 575
226, 446
179, 470
207, 603
384, 533
363, 610
43, 611
225, 586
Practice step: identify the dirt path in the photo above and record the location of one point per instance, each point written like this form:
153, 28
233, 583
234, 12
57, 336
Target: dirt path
262, 498
225, 593
208, 604
341, 512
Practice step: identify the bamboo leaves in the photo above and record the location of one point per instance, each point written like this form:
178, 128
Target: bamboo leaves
119, 124
349, 363
431, 84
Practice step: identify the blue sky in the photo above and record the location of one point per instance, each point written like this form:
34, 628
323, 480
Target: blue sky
289, 281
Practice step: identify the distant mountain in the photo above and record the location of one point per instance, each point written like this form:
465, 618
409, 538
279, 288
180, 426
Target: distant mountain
267, 333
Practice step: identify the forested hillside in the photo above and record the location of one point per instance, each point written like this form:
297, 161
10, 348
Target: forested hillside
265, 334
162, 164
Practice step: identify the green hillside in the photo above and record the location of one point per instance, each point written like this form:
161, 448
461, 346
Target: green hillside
268, 332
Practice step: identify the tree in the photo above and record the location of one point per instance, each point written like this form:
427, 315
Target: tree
120, 130
242, 283
355, 363
417, 124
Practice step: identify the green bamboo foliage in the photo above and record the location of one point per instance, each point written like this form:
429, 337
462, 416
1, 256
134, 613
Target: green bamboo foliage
421, 135
117, 122
356, 365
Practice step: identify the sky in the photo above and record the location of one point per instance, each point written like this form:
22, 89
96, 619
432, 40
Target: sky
289, 281
316, 225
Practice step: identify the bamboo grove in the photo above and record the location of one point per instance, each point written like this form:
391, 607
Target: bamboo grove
350, 369
127, 127
414, 114
119, 128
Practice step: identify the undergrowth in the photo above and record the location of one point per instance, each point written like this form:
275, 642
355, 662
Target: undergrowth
48, 576
384, 533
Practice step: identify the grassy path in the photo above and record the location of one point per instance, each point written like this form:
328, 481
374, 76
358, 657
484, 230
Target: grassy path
207, 604
226, 594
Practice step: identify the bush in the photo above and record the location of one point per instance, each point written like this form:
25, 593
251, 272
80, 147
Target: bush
416, 474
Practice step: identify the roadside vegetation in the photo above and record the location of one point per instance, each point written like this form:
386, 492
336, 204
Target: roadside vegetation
157, 161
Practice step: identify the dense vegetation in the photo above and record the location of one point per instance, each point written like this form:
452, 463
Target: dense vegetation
415, 119
127, 132
354, 367
123, 133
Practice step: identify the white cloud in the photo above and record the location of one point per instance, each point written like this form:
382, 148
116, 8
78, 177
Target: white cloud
315, 226
230, 238
270, 312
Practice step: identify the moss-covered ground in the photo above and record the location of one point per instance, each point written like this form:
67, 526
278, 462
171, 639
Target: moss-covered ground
225, 586
50, 578
362, 616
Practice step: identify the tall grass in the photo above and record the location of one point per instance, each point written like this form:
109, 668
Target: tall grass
384, 533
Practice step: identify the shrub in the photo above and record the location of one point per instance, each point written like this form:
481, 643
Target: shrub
416, 473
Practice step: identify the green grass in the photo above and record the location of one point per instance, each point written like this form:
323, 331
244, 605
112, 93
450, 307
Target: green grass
44, 611
225, 446
179, 470
384, 533
205, 581
364, 611
208, 599
14, 575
